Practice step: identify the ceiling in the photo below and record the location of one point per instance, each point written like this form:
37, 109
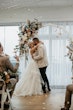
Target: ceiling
13, 4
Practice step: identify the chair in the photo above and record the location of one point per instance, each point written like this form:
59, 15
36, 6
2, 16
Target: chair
8, 90
2, 90
8, 94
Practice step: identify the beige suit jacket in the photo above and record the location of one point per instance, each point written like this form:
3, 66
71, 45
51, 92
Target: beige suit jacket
40, 56
6, 65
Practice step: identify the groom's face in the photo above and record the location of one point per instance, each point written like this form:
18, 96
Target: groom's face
35, 42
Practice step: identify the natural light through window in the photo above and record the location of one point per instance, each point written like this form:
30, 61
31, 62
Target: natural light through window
9, 38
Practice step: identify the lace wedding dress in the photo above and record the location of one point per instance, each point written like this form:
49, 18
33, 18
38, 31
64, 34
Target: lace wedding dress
30, 81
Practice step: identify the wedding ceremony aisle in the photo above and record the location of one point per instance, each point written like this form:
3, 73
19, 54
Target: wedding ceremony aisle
49, 101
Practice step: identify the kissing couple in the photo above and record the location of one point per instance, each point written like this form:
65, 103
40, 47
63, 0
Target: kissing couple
34, 80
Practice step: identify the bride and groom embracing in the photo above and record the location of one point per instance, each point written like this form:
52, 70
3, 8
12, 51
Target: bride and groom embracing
34, 80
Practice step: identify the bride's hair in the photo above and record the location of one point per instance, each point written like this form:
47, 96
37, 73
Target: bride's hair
30, 44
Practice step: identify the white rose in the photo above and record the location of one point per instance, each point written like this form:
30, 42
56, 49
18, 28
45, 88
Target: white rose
22, 28
24, 37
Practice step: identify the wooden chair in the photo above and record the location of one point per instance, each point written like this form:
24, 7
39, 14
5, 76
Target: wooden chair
2, 91
8, 94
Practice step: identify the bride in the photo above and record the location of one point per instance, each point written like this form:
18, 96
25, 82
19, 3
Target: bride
30, 81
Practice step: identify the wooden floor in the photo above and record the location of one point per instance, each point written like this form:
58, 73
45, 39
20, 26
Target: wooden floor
50, 101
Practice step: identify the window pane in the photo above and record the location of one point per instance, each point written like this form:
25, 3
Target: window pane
44, 30
72, 29
2, 37
46, 43
11, 39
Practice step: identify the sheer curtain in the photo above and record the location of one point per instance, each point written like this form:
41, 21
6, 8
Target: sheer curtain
59, 70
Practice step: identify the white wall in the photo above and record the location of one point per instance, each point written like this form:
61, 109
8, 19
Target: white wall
43, 14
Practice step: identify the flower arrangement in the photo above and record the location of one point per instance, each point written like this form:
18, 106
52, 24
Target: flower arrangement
70, 54
70, 50
27, 32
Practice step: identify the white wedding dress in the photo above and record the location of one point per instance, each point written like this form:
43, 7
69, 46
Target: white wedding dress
30, 82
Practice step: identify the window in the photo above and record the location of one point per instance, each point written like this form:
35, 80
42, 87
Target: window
59, 68
9, 38
44, 30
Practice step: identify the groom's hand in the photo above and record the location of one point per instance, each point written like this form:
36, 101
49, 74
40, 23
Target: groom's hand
17, 58
32, 56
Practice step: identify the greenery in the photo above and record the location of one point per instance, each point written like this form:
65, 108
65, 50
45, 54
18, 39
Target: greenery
26, 33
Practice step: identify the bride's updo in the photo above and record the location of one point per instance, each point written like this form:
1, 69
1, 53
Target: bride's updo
31, 44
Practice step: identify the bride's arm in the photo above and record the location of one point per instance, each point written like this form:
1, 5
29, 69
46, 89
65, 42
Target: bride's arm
33, 49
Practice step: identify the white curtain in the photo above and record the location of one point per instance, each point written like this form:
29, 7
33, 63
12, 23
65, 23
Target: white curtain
59, 70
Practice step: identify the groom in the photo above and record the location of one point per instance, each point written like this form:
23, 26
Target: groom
40, 57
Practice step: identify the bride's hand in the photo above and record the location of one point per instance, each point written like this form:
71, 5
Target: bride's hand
41, 42
17, 58
32, 56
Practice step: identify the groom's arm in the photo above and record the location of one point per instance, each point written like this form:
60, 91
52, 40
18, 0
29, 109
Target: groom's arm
40, 54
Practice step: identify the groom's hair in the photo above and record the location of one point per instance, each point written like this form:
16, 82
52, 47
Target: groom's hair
0, 45
36, 39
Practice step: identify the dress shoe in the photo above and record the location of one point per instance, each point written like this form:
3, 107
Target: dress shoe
44, 88
6, 104
44, 91
49, 89
64, 109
